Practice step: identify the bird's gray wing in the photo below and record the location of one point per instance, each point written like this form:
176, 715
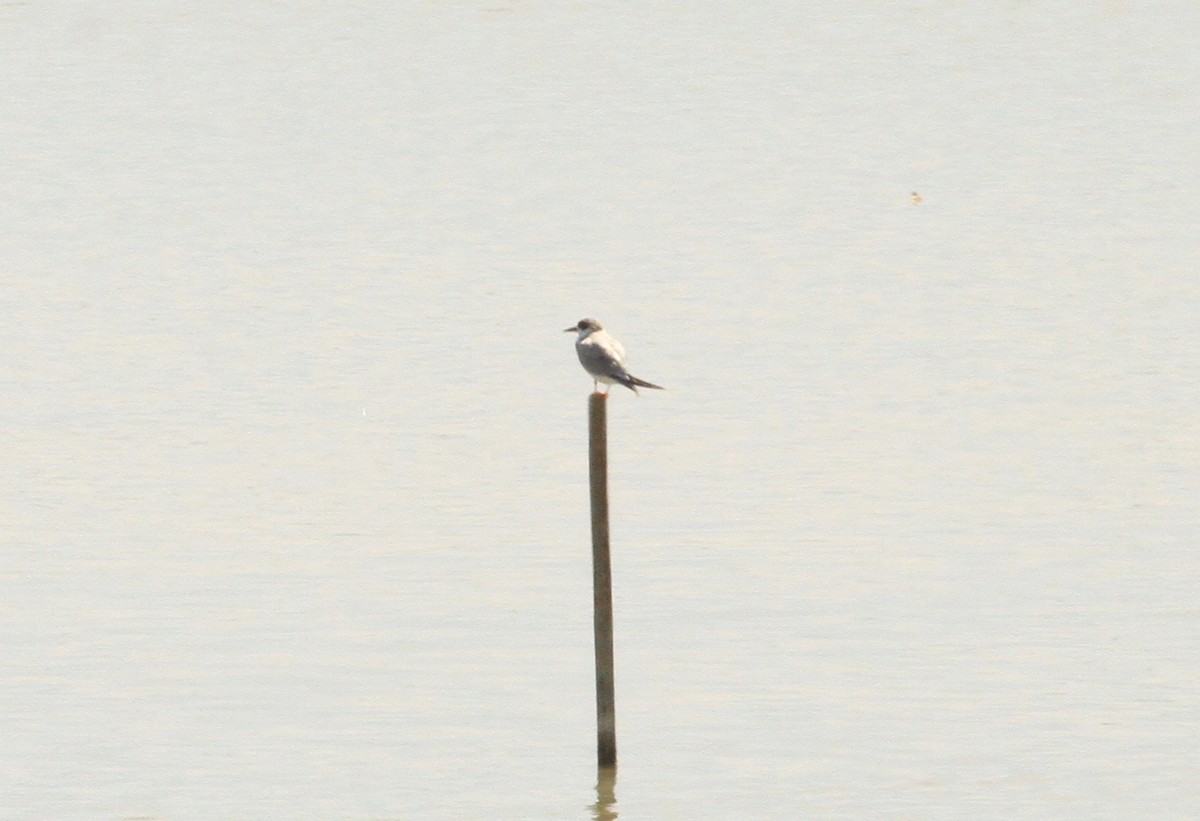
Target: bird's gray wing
596, 359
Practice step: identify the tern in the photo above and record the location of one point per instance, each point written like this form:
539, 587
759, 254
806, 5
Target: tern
603, 357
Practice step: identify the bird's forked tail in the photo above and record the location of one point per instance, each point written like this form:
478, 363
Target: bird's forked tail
641, 383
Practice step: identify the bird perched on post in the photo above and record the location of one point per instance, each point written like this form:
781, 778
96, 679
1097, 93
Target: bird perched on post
603, 357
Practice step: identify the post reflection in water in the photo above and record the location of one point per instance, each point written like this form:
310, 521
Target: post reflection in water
605, 808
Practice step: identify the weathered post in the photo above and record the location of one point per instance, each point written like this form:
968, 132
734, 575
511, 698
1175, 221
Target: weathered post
602, 612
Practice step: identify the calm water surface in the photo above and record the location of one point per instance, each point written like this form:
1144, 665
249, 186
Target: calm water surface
293, 520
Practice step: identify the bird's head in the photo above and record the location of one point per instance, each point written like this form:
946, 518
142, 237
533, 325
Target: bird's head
585, 327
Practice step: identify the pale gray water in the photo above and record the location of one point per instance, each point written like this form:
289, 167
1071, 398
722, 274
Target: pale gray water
294, 507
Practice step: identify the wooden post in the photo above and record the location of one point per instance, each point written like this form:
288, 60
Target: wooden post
602, 613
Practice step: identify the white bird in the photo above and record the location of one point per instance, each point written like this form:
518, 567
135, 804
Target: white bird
603, 357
